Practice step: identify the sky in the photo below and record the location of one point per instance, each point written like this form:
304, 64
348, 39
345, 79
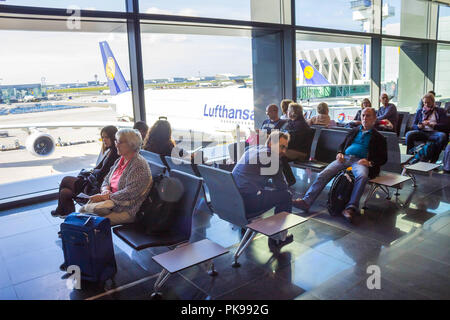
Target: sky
75, 57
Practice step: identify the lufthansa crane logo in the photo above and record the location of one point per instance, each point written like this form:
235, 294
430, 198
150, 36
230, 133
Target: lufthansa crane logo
110, 68
308, 72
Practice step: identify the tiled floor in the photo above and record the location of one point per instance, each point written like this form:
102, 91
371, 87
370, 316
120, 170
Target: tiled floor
327, 260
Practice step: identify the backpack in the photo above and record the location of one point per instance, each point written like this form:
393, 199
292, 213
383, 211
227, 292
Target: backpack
340, 192
158, 211
428, 152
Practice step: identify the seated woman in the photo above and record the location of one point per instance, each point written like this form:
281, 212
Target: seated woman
129, 180
90, 182
159, 140
284, 105
322, 119
299, 132
365, 103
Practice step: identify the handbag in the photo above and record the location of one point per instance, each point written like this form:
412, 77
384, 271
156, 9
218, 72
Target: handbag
100, 208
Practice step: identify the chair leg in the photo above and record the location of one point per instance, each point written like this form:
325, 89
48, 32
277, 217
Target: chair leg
162, 278
248, 237
370, 194
212, 271
387, 191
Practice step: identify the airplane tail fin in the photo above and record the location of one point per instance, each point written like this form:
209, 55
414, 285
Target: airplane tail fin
311, 75
116, 81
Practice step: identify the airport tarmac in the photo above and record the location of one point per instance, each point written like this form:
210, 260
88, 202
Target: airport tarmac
18, 165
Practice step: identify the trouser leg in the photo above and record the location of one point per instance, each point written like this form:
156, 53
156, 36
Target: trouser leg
68, 188
266, 200
361, 174
413, 136
322, 179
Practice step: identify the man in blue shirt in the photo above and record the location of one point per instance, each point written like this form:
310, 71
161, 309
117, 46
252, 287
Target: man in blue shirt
252, 173
387, 111
274, 121
365, 150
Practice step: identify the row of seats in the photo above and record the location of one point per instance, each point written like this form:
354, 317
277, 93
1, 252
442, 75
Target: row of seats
325, 143
226, 202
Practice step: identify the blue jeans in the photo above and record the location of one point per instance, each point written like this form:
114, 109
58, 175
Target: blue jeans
360, 172
438, 137
257, 204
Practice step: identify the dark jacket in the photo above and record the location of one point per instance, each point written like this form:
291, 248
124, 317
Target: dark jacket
99, 173
377, 149
300, 134
443, 123
389, 113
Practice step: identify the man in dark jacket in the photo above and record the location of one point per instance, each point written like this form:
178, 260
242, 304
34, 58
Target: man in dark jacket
365, 150
430, 124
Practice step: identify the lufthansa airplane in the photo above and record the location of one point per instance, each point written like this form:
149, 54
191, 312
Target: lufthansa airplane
202, 114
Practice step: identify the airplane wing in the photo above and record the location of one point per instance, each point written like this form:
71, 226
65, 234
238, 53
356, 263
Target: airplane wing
75, 125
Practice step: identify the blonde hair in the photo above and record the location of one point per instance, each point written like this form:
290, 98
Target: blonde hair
429, 95
284, 105
296, 108
322, 108
365, 100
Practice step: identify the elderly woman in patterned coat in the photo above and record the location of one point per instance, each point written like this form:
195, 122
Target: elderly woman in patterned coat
129, 180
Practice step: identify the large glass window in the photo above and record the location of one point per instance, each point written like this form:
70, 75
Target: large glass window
336, 14
403, 69
55, 97
335, 70
115, 5
442, 85
201, 82
444, 23
408, 18
250, 10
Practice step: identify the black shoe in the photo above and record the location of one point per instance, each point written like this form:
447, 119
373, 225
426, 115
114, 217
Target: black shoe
277, 244
55, 213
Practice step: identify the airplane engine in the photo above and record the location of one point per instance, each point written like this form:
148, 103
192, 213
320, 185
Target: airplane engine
40, 144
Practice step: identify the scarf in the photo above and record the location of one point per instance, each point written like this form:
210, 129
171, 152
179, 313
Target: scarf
427, 114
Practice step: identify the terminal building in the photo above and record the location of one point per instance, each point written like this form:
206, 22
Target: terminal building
342, 209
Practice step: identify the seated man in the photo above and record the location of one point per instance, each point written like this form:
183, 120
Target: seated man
430, 124
274, 121
252, 180
387, 111
365, 150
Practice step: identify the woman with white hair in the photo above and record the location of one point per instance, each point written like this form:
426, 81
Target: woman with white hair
128, 182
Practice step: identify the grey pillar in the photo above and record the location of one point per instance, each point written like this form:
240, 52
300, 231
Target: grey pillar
135, 54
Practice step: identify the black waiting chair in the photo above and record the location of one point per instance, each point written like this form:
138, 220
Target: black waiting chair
153, 157
135, 236
181, 165
227, 203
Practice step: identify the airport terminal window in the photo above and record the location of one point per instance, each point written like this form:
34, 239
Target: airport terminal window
444, 23
336, 14
249, 10
57, 79
406, 18
201, 83
103, 5
402, 72
342, 84
442, 82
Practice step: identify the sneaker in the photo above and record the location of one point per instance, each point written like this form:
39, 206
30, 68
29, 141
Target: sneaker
277, 244
300, 204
